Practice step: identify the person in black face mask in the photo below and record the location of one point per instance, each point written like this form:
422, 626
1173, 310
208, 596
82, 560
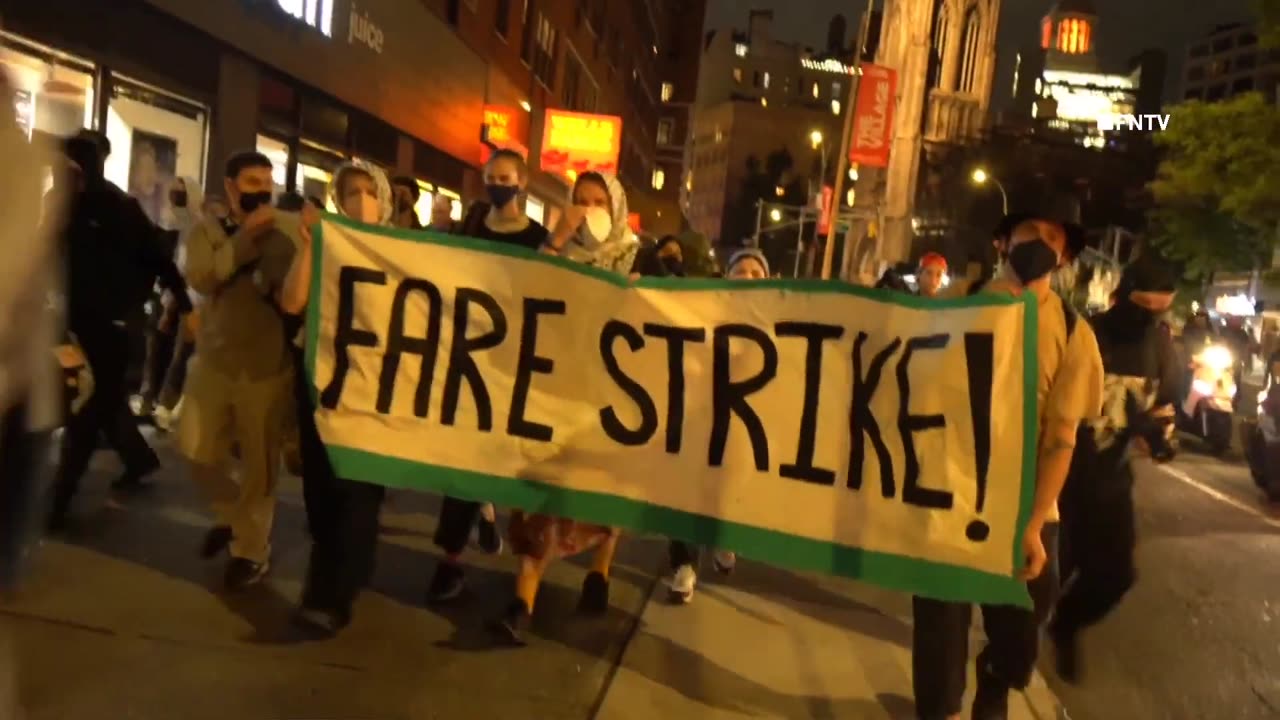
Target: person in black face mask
1142, 383
1068, 391
501, 220
665, 259
406, 193
238, 384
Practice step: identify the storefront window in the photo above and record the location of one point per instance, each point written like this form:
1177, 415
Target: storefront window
423, 207
53, 92
278, 153
155, 138
316, 164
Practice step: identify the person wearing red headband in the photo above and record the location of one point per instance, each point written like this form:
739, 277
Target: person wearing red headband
933, 268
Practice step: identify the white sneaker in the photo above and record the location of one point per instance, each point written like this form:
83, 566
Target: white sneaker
725, 561
681, 585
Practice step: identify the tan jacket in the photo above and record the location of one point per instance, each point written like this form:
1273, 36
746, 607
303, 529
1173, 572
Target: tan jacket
241, 332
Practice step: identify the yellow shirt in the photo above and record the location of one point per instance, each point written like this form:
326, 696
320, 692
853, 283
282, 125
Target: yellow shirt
1069, 387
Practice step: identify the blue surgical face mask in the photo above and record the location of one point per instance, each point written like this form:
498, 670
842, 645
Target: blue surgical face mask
501, 195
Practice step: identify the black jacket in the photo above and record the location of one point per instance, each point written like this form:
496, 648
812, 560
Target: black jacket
1133, 344
114, 257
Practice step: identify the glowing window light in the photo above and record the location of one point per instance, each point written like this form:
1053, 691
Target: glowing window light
1046, 33
1062, 36
1086, 32
1075, 36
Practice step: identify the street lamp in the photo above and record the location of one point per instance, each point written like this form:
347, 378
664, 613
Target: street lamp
981, 176
815, 137
775, 215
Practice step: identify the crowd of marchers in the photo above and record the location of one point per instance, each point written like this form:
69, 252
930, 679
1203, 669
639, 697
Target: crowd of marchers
218, 286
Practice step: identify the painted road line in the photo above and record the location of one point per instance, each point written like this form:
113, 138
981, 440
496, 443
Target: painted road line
1219, 496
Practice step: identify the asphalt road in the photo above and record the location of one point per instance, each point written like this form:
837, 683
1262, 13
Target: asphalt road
1198, 638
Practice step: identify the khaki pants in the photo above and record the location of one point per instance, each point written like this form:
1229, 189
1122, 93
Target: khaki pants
217, 411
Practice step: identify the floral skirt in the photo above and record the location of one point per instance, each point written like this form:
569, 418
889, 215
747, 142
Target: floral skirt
541, 536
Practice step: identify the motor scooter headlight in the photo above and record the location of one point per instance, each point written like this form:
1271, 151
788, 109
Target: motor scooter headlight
1216, 357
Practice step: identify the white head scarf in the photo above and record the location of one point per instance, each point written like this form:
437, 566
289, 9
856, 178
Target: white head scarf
618, 251
386, 204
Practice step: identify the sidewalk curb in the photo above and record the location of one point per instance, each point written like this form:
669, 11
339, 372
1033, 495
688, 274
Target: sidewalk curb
619, 651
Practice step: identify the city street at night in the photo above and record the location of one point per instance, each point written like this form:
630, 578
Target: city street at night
640, 359
122, 613
1199, 636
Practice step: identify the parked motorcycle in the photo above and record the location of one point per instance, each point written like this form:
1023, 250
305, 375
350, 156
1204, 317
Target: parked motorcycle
1207, 410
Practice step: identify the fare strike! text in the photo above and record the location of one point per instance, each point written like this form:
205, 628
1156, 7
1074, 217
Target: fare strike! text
874, 365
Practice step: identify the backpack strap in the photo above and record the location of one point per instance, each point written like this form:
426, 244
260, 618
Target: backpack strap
1069, 315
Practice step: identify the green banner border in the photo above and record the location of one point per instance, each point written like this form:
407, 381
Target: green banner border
908, 574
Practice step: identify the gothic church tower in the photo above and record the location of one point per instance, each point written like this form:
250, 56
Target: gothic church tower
944, 52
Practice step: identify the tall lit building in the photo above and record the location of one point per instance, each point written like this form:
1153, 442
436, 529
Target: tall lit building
1061, 84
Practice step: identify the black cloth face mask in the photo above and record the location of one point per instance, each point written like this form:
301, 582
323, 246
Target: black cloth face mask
1032, 260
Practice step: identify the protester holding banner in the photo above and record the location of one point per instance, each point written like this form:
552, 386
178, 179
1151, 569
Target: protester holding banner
747, 264
1069, 390
506, 176
238, 383
342, 514
930, 274
592, 230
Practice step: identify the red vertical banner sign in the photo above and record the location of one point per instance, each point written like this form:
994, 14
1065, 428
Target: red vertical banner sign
824, 210
873, 116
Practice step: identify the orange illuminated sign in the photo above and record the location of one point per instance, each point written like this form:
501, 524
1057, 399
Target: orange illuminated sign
579, 142
501, 130
497, 124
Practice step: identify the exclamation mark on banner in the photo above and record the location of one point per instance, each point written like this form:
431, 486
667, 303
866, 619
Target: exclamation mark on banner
979, 351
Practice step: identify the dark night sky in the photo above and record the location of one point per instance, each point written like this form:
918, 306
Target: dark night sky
1125, 26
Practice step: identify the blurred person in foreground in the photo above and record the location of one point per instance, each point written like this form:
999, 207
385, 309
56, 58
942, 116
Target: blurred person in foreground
1142, 384
29, 379
29, 387
238, 383
114, 258
1068, 390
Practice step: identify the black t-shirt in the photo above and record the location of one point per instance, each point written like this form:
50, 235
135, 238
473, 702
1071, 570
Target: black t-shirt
532, 237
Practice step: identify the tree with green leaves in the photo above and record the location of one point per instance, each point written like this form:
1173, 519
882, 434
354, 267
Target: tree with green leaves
1217, 190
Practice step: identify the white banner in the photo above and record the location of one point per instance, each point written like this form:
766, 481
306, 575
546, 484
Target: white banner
811, 424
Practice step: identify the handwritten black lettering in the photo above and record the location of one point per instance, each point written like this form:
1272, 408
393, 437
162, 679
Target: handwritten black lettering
814, 334
908, 425
462, 365
426, 348
345, 333
613, 427
862, 423
676, 337
729, 397
529, 363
